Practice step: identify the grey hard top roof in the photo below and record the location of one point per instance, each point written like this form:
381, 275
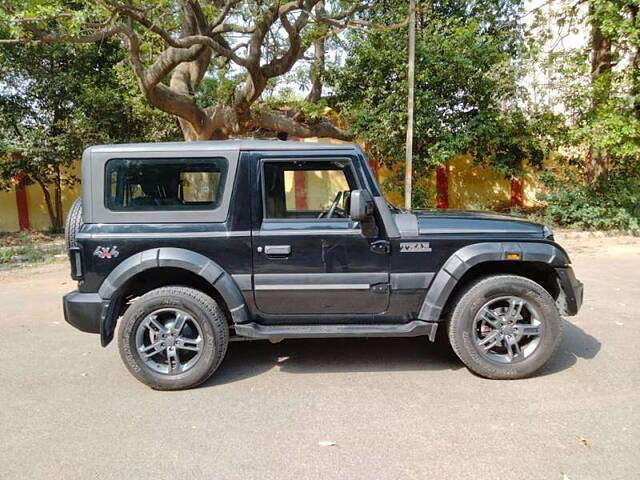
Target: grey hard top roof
215, 145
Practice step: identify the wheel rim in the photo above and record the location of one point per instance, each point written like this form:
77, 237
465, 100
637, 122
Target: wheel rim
507, 329
169, 341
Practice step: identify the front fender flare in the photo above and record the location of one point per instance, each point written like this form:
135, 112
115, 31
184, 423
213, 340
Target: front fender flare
465, 258
176, 258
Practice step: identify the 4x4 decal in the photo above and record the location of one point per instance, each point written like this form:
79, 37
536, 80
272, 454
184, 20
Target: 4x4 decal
106, 252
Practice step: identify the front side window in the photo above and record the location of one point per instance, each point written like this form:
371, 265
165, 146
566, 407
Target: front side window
307, 189
164, 184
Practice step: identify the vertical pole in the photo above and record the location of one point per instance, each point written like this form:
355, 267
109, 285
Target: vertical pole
410, 80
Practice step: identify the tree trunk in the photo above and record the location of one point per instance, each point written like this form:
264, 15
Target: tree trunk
48, 203
59, 212
317, 69
223, 121
596, 161
635, 65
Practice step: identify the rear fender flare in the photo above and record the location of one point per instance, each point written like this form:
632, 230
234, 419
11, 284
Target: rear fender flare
462, 260
111, 288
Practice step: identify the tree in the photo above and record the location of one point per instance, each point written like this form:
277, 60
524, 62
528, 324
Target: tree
56, 99
615, 40
466, 94
177, 49
594, 85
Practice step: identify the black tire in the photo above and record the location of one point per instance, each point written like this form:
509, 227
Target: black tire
462, 333
74, 222
210, 318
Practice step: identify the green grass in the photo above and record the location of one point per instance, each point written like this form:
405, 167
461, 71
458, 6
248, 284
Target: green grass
30, 247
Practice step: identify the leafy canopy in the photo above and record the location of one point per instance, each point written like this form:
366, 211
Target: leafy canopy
57, 99
467, 94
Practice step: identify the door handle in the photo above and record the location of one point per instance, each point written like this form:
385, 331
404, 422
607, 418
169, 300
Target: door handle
277, 250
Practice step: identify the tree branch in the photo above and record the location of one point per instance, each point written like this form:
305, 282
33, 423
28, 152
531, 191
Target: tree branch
283, 64
187, 57
51, 37
281, 123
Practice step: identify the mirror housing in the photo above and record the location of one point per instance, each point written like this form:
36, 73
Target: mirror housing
361, 205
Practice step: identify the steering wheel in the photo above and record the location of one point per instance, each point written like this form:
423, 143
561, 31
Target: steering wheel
334, 206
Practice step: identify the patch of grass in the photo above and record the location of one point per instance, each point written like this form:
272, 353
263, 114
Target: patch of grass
30, 247
13, 239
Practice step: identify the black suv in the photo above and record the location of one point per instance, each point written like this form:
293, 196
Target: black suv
187, 245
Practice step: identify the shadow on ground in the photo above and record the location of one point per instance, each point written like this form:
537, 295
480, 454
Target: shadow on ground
251, 358
576, 343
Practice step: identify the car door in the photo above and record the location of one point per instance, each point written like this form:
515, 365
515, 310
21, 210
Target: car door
309, 257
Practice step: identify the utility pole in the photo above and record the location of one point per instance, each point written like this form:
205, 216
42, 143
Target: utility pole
410, 80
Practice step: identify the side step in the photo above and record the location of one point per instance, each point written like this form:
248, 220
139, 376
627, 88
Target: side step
414, 328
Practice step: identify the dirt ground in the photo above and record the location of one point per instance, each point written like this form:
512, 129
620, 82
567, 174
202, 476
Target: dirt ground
395, 408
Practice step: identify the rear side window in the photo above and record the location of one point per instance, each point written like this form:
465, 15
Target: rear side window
164, 184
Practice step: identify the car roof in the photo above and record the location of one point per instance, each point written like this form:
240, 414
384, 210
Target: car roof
216, 145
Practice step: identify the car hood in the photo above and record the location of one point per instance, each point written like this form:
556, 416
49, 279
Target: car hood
473, 222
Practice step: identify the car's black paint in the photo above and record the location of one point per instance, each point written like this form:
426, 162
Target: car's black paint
83, 310
331, 276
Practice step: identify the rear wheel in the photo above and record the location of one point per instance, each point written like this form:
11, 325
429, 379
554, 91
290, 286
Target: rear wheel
173, 338
505, 327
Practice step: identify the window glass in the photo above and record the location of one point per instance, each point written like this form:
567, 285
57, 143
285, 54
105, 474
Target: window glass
308, 189
164, 184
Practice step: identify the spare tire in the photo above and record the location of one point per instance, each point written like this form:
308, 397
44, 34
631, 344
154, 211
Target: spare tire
74, 222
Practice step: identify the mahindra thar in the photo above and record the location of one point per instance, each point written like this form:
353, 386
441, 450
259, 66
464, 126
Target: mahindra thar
190, 245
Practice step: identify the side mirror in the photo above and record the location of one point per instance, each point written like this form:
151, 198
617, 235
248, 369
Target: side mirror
361, 205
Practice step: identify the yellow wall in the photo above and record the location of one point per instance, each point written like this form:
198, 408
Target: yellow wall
38, 216
475, 187
471, 186
8, 212
321, 188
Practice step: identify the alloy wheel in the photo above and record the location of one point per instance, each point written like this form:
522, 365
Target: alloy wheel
507, 329
169, 341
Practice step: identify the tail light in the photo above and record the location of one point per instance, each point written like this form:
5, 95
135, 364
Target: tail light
75, 257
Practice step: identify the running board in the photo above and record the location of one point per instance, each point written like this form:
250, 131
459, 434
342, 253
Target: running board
414, 328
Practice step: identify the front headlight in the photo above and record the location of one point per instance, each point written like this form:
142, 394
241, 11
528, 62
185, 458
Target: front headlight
547, 233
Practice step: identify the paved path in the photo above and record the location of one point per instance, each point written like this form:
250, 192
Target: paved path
396, 408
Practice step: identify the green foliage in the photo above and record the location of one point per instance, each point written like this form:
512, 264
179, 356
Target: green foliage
30, 247
599, 113
466, 98
288, 99
57, 99
258, 48
612, 204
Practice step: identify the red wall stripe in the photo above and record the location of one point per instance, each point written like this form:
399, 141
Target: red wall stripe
516, 192
301, 190
21, 202
442, 186
374, 167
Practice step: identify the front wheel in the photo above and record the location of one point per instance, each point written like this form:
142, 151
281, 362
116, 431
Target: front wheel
505, 327
173, 338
